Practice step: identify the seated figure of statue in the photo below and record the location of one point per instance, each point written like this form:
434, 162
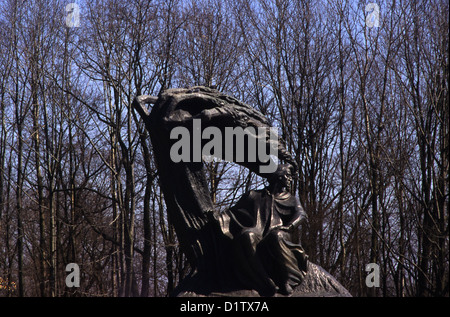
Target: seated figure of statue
259, 227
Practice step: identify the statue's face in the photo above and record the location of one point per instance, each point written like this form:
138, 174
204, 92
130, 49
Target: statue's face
285, 177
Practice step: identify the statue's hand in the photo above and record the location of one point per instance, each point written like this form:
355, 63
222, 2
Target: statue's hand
288, 228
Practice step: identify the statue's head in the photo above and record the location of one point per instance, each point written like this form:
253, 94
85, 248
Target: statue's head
282, 176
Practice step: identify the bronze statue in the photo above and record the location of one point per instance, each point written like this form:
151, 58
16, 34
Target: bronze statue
247, 247
260, 225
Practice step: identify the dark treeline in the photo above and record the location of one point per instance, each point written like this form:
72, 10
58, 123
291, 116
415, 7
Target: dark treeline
361, 98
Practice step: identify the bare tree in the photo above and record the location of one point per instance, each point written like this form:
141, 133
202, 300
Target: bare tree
362, 108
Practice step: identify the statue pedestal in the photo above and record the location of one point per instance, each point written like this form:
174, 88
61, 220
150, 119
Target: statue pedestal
317, 283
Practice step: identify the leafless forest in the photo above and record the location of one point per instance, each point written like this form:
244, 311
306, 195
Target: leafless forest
361, 102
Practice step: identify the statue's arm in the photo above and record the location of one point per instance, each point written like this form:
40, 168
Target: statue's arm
299, 215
